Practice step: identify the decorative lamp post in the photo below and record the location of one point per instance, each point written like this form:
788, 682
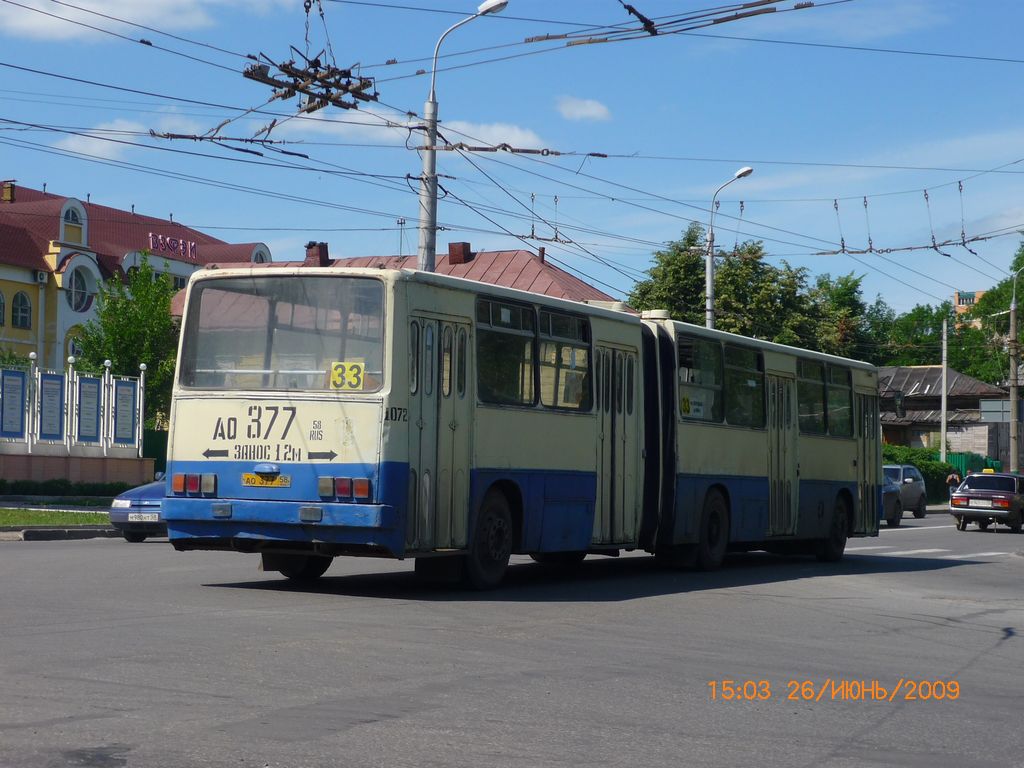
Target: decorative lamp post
428, 181
709, 263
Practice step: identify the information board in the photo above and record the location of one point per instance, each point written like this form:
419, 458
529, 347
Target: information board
51, 406
12, 404
89, 409
125, 412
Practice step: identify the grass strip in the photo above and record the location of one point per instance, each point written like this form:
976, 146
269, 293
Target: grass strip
16, 517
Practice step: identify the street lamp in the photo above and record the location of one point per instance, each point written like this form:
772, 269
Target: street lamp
1014, 407
709, 264
428, 181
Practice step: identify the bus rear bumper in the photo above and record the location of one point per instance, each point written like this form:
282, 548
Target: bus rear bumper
256, 526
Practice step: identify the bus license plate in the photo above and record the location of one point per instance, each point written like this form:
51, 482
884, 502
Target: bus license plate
980, 503
250, 480
143, 517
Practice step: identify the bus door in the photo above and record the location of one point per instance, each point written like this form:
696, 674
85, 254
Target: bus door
868, 463
783, 472
453, 428
616, 400
439, 414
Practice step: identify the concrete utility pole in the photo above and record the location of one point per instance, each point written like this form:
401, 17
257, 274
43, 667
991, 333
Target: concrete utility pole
428, 181
1014, 407
945, 389
709, 261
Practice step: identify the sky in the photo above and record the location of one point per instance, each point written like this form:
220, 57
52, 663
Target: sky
871, 125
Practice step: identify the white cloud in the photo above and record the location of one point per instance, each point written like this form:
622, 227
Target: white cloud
492, 133
102, 147
170, 15
572, 108
854, 23
376, 124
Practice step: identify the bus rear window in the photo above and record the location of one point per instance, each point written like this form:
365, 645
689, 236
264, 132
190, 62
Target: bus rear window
284, 333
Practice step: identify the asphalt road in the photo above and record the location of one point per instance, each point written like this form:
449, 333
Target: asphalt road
115, 654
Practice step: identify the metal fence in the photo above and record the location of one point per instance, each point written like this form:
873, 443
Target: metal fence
70, 412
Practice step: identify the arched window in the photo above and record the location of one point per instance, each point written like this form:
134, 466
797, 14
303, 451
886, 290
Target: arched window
3, 310
72, 224
80, 290
21, 311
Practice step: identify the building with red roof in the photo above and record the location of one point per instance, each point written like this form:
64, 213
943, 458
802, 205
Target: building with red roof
519, 269
55, 251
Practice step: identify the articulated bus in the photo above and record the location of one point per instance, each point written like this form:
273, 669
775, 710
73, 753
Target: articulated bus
320, 412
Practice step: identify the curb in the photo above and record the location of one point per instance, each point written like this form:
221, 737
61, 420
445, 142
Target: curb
58, 534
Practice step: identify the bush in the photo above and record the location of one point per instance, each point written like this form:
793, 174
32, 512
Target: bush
934, 472
60, 486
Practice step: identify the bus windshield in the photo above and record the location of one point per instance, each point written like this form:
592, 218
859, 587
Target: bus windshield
272, 332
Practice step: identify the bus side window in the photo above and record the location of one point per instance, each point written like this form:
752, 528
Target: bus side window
428, 359
629, 385
414, 357
460, 363
446, 361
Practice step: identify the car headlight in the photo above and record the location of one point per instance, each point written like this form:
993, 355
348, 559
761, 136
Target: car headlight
121, 503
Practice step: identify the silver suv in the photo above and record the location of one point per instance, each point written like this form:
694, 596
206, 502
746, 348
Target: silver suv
913, 494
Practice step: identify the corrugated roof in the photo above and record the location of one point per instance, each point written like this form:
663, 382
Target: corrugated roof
512, 269
889, 418
28, 225
926, 381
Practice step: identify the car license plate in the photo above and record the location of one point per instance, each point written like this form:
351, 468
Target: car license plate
250, 480
987, 503
143, 517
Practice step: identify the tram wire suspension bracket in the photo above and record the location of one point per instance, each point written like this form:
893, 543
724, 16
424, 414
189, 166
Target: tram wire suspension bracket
323, 85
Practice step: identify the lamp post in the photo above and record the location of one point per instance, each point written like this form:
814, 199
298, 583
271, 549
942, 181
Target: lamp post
1014, 407
428, 181
709, 264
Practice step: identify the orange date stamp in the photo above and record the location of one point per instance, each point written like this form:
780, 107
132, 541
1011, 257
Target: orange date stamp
835, 689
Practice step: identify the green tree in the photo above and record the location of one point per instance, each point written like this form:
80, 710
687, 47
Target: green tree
755, 298
133, 325
676, 280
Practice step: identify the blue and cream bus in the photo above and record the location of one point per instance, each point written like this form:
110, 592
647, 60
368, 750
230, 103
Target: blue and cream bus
321, 412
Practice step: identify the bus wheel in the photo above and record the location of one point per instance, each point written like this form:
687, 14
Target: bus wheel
831, 549
304, 567
559, 559
491, 547
714, 532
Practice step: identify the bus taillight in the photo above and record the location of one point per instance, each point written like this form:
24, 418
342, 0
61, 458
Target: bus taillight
344, 488
192, 483
177, 483
361, 488
208, 484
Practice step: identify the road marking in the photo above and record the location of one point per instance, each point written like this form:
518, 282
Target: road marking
863, 549
976, 554
918, 527
913, 552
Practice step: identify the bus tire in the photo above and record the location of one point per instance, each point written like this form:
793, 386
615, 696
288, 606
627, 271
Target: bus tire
491, 546
831, 549
714, 531
559, 559
304, 568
